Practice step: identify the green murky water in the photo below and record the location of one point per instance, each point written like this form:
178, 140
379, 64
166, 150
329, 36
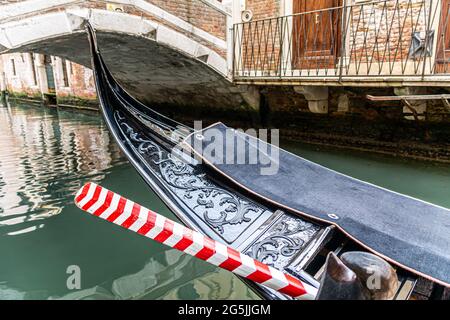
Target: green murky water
47, 154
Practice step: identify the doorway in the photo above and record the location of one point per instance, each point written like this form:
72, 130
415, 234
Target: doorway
49, 73
316, 34
443, 43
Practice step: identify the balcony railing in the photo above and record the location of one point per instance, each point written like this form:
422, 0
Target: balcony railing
378, 39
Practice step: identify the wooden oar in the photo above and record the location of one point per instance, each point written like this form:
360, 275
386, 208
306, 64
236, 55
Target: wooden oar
112, 207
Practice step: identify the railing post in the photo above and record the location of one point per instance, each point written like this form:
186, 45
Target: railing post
439, 24
344, 39
427, 32
280, 60
230, 46
233, 48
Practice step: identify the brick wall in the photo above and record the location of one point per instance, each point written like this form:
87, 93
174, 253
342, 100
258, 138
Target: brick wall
261, 40
383, 31
260, 48
263, 9
197, 13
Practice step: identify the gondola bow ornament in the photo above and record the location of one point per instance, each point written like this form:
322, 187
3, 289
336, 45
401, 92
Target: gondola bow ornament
114, 208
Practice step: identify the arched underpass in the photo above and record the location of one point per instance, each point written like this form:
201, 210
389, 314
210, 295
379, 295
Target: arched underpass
156, 63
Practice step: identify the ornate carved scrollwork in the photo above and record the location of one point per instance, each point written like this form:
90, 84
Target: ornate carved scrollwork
217, 206
286, 237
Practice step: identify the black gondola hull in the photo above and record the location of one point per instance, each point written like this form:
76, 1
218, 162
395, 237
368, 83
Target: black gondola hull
231, 206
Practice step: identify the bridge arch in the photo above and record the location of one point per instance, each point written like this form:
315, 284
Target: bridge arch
155, 62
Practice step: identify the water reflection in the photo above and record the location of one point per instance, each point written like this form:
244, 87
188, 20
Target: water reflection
45, 152
46, 156
164, 277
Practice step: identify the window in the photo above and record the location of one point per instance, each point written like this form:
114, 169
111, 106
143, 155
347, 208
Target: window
33, 69
64, 71
13, 66
47, 59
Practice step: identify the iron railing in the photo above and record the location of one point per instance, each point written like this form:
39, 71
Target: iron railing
389, 38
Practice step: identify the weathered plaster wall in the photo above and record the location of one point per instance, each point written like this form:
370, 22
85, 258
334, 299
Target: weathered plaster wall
27, 78
79, 87
19, 75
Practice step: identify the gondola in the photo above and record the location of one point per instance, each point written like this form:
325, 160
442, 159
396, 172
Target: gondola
291, 220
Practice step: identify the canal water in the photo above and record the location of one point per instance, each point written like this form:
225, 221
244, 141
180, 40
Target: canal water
46, 154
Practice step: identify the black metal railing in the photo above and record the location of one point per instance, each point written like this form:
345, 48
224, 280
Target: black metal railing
395, 38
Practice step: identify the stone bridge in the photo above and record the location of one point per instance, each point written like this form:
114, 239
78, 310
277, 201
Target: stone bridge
163, 52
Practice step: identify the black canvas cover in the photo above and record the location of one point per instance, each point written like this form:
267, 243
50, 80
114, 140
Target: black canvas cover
408, 232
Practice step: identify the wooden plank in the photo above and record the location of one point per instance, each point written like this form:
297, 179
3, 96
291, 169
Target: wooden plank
410, 97
406, 289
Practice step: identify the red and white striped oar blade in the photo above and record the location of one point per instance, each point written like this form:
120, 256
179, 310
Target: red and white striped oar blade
112, 207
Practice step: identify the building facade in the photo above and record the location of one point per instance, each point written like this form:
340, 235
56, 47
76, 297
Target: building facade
317, 46
308, 67
323, 57
50, 78
356, 42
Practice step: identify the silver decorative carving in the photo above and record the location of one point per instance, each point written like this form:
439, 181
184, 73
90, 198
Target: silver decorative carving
283, 239
218, 207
